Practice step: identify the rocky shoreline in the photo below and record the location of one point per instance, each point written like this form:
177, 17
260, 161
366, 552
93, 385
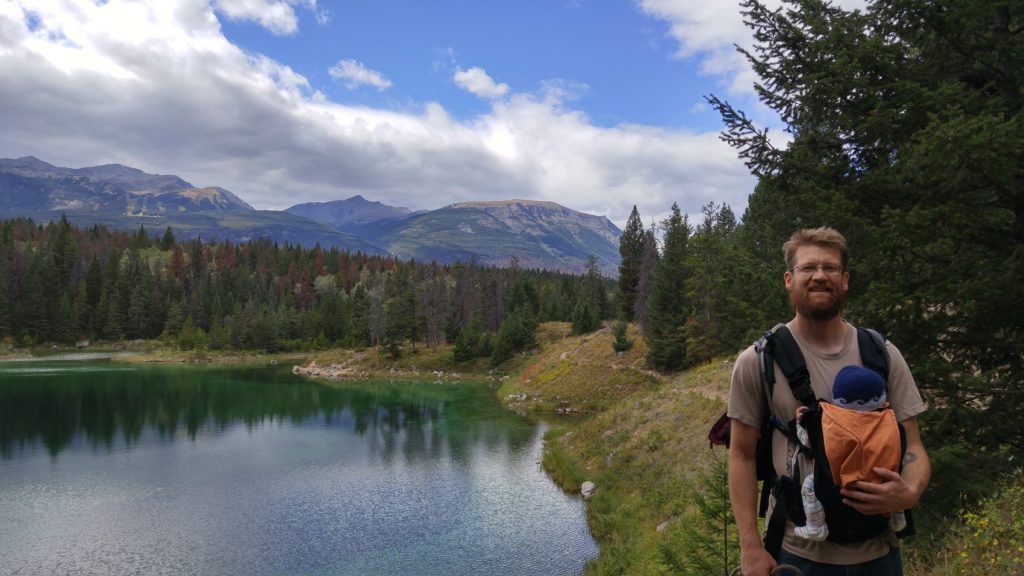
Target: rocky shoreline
348, 371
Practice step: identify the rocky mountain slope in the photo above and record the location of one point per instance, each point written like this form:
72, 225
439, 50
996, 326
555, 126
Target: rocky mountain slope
349, 215
124, 197
492, 233
537, 234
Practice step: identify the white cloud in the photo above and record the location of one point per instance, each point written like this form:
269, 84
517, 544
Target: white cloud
476, 81
710, 30
157, 86
356, 74
277, 16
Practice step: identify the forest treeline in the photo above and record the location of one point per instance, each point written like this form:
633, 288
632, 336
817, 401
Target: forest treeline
59, 283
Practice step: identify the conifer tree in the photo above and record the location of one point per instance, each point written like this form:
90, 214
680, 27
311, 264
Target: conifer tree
5, 303
648, 263
907, 124
63, 249
711, 261
167, 241
585, 317
622, 343
707, 542
593, 289
631, 250
668, 308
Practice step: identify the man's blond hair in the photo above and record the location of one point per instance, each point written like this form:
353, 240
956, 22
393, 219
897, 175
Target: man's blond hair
824, 237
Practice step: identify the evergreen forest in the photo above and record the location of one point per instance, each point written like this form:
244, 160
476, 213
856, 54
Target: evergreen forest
62, 284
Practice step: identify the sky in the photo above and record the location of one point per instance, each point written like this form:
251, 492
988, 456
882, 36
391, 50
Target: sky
597, 105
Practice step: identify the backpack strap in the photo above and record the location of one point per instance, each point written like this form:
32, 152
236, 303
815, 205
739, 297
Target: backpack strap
873, 352
786, 352
765, 465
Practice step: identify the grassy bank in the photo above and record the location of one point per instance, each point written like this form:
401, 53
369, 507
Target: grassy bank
154, 351
645, 448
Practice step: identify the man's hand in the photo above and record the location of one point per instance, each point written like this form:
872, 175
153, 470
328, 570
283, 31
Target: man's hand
892, 495
756, 561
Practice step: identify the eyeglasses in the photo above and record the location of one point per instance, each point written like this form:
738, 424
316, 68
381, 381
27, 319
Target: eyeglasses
810, 269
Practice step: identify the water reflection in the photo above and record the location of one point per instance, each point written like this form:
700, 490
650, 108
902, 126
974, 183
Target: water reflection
188, 470
110, 404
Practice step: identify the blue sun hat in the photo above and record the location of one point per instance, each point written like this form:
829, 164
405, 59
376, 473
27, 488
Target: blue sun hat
858, 388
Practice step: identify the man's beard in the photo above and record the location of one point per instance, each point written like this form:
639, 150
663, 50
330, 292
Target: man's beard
821, 313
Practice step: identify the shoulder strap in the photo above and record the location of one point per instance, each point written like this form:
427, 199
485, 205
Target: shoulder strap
873, 352
784, 350
766, 360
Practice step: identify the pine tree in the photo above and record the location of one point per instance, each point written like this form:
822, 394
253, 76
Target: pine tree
631, 249
668, 308
63, 249
707, 542
621, 343
593, 289
711, 261
167, 241
5, 303
518, 332
585, 317
648, 263
907, 124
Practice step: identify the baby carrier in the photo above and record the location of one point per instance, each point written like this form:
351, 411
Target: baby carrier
845, 524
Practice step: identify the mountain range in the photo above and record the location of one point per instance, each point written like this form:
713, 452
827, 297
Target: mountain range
537, 234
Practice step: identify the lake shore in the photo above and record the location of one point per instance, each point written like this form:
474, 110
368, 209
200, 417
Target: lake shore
140, 352
641, 441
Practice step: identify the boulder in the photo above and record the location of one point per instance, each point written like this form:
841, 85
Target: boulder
587, 489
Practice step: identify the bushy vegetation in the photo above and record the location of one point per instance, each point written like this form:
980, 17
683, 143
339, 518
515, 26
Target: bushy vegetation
622, 343
989, 541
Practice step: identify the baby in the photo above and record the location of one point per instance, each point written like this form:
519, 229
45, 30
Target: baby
855, 388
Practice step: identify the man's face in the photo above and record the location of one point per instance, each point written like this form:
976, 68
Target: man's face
817, 284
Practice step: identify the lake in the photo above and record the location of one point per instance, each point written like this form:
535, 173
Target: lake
110, 468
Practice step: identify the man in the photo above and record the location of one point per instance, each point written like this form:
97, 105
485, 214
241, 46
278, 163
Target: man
817, 280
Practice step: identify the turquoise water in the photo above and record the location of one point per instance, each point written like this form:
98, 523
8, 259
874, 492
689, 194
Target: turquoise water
116, 469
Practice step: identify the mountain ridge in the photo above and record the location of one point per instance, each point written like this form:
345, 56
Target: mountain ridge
536, 233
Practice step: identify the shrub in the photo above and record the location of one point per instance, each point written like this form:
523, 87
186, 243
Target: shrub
621, 342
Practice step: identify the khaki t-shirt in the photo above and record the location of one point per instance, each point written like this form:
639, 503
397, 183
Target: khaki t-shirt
746, 404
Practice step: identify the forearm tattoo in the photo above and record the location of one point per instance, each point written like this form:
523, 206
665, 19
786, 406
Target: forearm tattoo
909, 458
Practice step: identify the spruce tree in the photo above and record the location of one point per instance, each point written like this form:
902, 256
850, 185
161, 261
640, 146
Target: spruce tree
167, 241
648, 263
593, 289
706, 542
621, 343
631, 249
708, 289
907, 125
668, 308
5, 303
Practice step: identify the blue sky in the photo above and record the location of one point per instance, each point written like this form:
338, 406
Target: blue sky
619, 59
594, 104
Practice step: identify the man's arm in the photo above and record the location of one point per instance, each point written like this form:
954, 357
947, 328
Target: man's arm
754, 559
897, 492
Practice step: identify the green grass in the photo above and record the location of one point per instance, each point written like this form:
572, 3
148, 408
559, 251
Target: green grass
643, 444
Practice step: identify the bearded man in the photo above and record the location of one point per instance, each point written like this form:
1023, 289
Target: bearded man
817, 280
